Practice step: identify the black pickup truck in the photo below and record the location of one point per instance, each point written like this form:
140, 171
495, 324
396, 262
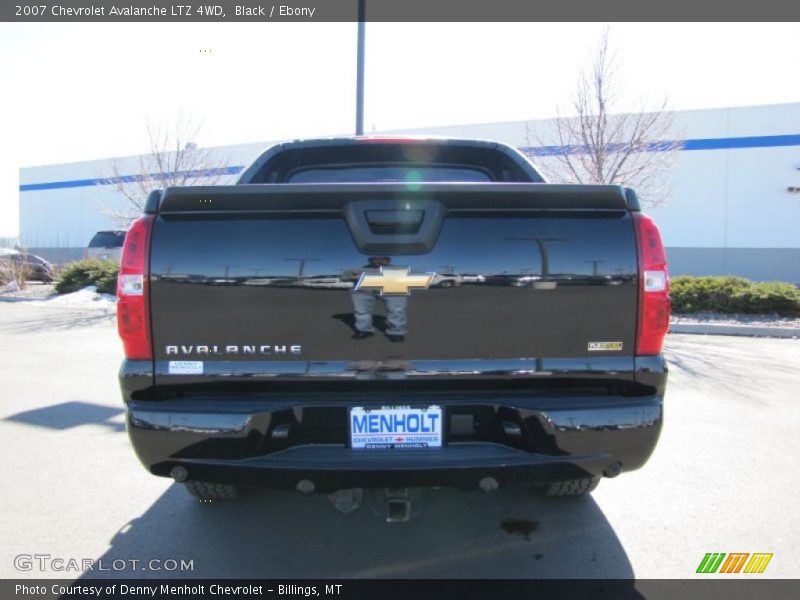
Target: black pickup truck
392, 314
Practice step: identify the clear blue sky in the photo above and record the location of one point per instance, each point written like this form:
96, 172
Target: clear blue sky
84, 91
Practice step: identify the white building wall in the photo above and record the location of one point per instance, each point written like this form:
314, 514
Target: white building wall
694, 215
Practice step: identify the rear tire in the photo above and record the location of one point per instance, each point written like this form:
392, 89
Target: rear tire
207, 491
572, 487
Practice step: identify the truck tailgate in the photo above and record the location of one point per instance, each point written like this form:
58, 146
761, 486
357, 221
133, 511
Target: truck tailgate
261, 282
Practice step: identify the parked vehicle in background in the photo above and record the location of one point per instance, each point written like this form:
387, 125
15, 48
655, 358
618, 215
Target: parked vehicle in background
36, 268
106, 245
445, 280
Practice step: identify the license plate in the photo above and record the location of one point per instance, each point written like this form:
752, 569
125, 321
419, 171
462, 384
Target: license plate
395, 427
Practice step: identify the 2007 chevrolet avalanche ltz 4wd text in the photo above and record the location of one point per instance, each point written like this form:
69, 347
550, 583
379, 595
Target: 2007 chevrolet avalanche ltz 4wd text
392, 314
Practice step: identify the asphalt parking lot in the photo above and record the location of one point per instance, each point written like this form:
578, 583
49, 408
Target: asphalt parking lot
723, 479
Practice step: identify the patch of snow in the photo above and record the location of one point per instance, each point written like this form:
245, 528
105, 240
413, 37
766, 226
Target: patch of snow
736, 319
87, 297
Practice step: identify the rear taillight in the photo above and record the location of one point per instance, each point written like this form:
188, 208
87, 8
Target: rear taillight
133, 320
654, 307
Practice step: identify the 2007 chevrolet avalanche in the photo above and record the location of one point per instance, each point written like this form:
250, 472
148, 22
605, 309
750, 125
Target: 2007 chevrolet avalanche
393, 313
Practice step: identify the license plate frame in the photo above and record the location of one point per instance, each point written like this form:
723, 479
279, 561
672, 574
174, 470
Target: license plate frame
424, 431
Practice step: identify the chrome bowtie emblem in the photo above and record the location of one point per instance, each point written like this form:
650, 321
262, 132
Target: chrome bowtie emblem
394, 281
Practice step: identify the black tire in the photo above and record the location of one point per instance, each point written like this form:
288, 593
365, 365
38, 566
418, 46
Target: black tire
207, 491
572, 487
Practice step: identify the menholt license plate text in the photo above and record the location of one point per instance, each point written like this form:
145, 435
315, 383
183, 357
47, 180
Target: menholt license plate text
396, 427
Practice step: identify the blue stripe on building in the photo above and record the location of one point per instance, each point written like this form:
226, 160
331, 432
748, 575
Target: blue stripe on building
762, 141
56, 185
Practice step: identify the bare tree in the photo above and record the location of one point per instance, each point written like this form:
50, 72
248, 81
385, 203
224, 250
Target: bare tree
15, 270
173, 159
600, 145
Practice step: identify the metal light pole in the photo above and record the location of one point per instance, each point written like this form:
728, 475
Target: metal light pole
543, 253
594, 264
301, 267
360, 68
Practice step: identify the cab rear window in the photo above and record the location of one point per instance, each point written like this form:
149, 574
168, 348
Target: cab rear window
429, 161
387, 173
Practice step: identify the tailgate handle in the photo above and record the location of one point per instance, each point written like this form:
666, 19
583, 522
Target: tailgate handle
394, 221
394, 226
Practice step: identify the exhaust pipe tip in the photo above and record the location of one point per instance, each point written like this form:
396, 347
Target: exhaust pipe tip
489, 484
306, 486
348, 500
179, 474
613, 469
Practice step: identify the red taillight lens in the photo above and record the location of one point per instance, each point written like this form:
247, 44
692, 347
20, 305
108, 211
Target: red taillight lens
133, 320
654, 305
